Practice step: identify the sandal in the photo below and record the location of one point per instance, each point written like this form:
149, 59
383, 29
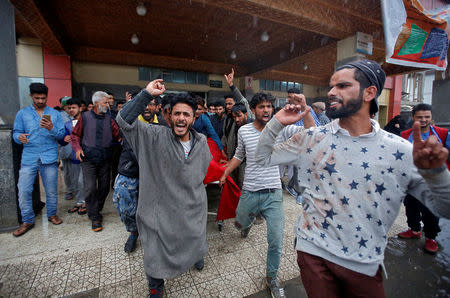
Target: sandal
82, 210
74, 209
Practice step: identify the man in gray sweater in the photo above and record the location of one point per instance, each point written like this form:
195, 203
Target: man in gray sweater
355, 177
172, 210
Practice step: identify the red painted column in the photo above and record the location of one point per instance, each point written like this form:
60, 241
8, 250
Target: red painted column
57, 77
395, 97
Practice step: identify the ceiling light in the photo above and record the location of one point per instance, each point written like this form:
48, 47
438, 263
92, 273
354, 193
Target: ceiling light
305, 66
134, 39
264, 36
141, 10
233, 55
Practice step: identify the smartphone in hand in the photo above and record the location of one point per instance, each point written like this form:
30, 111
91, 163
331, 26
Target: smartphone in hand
47, 117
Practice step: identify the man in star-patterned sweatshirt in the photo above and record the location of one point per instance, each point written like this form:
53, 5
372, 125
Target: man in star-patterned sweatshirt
355, 177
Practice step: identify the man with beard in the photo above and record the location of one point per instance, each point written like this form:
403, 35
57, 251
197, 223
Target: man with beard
92, 139
172, 210
355, 177
261, 191
218, 118
38, 127
150, 116
415, 210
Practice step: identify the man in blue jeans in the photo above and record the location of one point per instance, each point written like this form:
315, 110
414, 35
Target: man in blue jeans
38, 127
261, 191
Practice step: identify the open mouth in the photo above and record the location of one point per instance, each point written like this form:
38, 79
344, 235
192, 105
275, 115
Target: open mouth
333, 102
180, 127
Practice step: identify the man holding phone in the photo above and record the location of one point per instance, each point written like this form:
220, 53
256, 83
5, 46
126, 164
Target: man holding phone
38, 127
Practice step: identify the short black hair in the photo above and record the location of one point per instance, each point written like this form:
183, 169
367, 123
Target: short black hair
166, 100
294, 90
240, 107
38, 88
260, 97
109, 93
183, 98
228, 96
421, 107
73, 101
158, 100
200, 101
219, 103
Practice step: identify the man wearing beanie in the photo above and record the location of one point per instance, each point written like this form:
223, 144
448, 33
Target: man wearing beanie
355, 177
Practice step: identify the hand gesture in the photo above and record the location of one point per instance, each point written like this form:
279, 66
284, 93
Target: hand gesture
78, 154
230, 77
299, 99
156, 87
67, 139
23, 138
290, 114
427, 154
47, 124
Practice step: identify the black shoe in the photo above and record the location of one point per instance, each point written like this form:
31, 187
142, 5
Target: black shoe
200, 264
244, 232
220, 225
97, 226
130, 245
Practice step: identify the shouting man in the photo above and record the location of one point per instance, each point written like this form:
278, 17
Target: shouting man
172, 210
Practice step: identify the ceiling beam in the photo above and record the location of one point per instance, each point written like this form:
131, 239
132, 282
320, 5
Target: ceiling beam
38, 24
109, 56
319, 62
319, 17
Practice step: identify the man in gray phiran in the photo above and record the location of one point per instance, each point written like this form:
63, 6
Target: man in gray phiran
172, 210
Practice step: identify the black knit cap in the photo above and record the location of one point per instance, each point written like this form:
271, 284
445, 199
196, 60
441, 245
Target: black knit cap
375, 75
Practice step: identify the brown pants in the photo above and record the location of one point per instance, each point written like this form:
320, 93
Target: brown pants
322, 278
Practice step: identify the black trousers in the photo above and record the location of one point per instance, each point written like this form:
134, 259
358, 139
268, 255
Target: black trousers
96, 185
115, 157
416, 212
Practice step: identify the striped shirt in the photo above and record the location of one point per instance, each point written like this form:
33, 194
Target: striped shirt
256, 177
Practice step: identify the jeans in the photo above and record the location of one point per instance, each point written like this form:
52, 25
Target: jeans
96, 185
125, 198
268, 203
27, 175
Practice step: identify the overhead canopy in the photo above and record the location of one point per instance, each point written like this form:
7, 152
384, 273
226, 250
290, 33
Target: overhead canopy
200, 35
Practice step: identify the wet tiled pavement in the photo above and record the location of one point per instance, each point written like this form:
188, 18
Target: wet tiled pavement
71, 260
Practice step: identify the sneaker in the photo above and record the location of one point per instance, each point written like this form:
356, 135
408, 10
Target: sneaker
244, 232
220, 225
130, 245
291, 191
157, 292
200, 264
410, 234
299, 199
276, 290
97, 226
431, 246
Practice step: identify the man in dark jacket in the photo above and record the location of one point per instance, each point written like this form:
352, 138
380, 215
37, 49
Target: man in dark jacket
92, 139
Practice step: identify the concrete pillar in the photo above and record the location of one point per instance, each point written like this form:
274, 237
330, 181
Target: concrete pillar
346, 51
9, 105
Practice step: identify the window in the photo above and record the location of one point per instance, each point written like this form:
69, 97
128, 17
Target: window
179, 76
413, 85
172, 76
262, 84
269, 85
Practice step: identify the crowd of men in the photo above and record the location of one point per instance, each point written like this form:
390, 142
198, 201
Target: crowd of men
350, 175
